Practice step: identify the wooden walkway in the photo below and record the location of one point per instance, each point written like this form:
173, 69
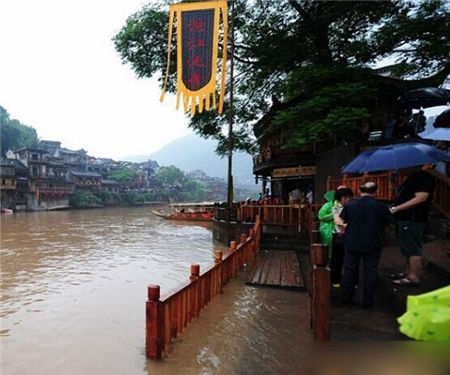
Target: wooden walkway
276, 268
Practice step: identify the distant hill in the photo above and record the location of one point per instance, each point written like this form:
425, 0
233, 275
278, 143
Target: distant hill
193, 152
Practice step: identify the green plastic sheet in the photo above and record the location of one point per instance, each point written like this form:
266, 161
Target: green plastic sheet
427, 316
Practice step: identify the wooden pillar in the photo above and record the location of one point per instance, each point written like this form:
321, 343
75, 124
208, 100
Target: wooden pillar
195, 273
154, 323
233, 259
217, 261
315, 236
321, 293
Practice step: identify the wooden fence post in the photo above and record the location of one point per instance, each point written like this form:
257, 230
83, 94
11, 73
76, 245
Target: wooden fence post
195, 273
321, 293
315, 236
234, 259
217, 261
154, 323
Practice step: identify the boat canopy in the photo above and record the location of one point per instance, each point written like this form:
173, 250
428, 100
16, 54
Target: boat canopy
192, 205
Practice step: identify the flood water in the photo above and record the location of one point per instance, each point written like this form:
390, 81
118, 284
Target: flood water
73, 287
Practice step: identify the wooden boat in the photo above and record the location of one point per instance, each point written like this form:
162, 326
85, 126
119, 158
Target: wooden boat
187, 211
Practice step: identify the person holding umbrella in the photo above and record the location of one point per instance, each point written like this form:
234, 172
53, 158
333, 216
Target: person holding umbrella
411, 208
413, 199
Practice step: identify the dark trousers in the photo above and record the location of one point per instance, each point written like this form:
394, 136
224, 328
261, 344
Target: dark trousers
350, 277
337, 258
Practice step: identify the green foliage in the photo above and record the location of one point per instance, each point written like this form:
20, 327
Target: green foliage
170, 176
124, 175
335, 98
82, 199
14, 134
133, 197
194, 192
279, 44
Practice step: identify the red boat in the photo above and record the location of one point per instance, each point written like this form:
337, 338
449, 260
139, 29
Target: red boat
188, 211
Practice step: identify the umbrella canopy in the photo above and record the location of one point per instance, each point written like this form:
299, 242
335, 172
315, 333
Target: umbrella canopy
393, 157
425, 97
443, 120
439, 134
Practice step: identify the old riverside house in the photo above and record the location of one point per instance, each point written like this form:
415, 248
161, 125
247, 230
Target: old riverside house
44, 176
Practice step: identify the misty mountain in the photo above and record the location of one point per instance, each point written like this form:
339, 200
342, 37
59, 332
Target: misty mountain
193, 152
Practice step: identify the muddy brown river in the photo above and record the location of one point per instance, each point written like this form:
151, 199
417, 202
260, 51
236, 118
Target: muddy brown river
73, 286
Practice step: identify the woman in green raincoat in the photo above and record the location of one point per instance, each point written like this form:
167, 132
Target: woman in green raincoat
327, 221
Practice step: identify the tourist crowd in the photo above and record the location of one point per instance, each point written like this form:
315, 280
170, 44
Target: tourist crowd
353, 229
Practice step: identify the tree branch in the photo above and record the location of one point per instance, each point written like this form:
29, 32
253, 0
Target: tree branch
305, 15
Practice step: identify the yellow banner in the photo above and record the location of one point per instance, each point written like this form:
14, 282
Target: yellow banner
197, 29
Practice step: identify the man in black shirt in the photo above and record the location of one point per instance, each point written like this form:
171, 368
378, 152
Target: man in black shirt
411, 208
365, 218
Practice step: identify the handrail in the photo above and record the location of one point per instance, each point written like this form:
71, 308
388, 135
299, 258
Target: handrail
167, 316
388, 184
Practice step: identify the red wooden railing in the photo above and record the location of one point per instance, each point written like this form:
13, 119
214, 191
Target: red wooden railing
300, 215
167, 316
388, 184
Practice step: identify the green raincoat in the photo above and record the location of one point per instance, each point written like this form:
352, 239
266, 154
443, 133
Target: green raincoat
427, 316
327, 221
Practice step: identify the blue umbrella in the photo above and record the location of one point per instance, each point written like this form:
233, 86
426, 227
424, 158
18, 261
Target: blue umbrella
393, 157
438, 134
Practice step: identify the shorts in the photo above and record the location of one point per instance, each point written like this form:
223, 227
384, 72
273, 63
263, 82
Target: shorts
410, 234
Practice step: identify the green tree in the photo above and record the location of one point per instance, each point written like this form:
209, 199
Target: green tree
82, 199
171, 176
14, 134
313, 55
124, 175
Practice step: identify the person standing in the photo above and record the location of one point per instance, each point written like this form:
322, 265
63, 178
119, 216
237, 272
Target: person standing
365, 218
411, 209
341, 198
326, 226
418, 122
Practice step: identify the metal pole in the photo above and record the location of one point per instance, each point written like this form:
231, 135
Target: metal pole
230, 118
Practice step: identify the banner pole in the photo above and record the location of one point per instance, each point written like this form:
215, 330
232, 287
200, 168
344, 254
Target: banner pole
230, 119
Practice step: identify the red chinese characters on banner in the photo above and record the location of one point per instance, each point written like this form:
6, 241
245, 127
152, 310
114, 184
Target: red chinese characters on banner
197, 27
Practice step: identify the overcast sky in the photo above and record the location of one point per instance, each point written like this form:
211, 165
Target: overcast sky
60, 73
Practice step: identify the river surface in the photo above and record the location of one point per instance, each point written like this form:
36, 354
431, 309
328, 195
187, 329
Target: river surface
73, 287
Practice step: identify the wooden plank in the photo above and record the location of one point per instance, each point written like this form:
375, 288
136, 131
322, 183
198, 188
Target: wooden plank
255, 275
276, 269
283, 271
290, 274
265, 267
293, 269
274, 272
